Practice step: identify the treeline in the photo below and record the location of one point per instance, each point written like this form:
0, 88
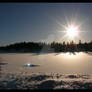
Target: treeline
42, 46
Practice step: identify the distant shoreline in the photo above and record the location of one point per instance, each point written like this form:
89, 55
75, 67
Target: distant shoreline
42, 47
42, 52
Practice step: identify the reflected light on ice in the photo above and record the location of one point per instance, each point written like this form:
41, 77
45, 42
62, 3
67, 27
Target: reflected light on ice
69, 55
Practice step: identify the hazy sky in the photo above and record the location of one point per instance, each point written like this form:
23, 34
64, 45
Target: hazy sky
43, 21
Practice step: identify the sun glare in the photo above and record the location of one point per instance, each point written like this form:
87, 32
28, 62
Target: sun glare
72, 31
69, 55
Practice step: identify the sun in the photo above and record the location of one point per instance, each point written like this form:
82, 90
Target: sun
72, 31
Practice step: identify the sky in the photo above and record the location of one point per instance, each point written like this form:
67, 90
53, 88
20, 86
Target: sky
43, 21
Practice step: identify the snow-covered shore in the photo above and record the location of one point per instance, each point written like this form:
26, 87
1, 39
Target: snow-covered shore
45, 81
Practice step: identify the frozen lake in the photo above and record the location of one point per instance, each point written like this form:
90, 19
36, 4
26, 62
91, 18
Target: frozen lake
65, 63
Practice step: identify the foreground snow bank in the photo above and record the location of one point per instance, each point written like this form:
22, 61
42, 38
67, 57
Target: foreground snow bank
45, 81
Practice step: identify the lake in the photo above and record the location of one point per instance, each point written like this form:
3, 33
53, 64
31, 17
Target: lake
65, 63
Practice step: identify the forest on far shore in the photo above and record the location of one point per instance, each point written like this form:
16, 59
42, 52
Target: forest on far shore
45, 47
